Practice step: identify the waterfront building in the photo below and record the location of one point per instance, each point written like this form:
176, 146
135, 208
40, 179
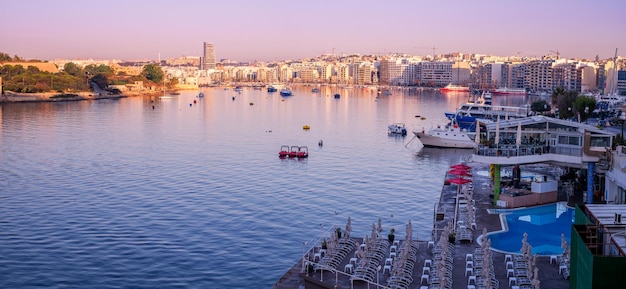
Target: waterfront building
518, 73
325, 71
541, 139
208, 57
434, 73
538, 75
567, 75
343, 73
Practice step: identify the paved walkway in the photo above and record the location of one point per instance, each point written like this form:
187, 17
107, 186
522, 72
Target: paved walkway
548, 273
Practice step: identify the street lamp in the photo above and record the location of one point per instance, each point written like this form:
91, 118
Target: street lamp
586, 113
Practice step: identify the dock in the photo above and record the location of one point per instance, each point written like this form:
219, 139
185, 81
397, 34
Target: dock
341, 270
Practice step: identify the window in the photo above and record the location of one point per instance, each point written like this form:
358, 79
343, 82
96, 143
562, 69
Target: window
569, 140
597, 141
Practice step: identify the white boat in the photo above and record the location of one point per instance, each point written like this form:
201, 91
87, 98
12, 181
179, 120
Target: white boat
509, 91
452, 137
397, 128
452, 87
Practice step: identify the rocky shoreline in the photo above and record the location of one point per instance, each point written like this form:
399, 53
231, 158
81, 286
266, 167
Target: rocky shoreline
11, 97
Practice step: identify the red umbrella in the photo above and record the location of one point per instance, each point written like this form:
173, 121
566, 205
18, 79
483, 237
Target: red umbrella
460, 166
460, 173
459, 181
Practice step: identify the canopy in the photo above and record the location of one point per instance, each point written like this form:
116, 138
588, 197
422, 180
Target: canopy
459, 181
460, 173
460, 166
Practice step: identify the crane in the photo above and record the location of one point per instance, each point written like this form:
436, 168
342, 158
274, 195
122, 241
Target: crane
427, 47
558, 55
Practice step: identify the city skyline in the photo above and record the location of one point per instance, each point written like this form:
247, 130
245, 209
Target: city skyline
281, 30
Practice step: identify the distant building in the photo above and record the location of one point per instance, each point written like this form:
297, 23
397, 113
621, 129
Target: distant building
621, 82
208, 58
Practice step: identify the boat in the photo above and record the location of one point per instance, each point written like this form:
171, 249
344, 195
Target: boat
455, 88
306, 127
271, 89
315, 90
293, 151
397, 128
448, 137
509, 91
284, 151
285, 91
238, 89
337, 95
482, 109
200, 94
303, 152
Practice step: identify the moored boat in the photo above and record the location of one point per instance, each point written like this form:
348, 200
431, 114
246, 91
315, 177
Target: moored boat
397, 128
285, 91
452, 137
271, 89
284, 151
452, 87
509, 91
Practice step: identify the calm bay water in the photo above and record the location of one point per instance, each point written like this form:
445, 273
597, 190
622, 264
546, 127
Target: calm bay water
116, 194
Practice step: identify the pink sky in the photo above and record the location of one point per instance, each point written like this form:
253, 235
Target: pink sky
287, 29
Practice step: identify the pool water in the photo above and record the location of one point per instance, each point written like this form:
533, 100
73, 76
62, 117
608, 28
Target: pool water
544, 225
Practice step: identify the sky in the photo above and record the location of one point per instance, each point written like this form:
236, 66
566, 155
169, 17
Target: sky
270, 30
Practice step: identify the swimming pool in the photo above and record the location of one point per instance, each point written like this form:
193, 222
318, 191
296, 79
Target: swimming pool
544, 225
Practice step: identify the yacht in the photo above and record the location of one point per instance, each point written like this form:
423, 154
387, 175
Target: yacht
451, 87
448, 137
397, 128
509, 91
465, 116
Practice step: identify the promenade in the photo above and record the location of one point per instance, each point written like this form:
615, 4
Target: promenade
423, 250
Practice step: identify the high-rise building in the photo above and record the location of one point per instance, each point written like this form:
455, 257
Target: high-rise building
208, 57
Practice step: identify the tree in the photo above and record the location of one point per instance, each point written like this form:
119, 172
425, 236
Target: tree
540, 106
101, 80
584, 106
565, 104
555, 95
72, 69
153, 73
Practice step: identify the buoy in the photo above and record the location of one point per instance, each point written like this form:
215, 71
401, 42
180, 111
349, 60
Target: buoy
194, 101
252, 103
190, 104
418, 115
306, 127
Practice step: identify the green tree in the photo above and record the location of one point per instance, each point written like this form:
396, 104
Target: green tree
540, 106
101, 80
72, 69
565, 104
5, 57
555, 95
153, 73
584, 106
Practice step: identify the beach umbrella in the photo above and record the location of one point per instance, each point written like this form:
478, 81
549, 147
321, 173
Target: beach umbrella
380, 226
459, 181
460, 166
459, 172
518, 141
497, 139
374, 233
477, 138
348, 228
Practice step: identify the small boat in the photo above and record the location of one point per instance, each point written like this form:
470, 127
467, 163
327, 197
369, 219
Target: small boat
315, 90
238, 89
306, 127
285, 91
200, 94
303, 152
451, 87
293, 152
397, 128
337, 95
509, 91
271, 89
451, 137
284, 151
